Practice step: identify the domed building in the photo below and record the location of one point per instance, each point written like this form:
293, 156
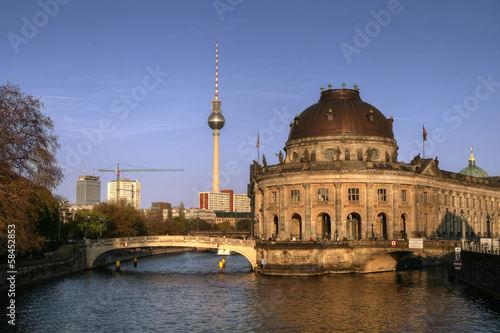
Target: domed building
473, 170
340, 178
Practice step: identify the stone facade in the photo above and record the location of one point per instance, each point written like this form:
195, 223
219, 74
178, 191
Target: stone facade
346, 182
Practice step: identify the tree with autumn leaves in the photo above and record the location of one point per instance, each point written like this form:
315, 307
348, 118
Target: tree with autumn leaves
28, 167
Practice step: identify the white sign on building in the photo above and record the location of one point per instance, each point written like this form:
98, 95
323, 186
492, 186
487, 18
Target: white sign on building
416, 243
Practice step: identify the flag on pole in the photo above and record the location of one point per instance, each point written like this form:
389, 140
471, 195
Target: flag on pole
258, 139
424, 133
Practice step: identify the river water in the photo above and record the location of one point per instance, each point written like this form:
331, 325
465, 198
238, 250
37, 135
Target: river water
185, 293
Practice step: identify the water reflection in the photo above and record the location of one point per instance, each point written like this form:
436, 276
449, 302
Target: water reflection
178, 293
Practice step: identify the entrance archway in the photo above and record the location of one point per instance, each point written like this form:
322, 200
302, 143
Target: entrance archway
382, 219
324, 226
276, 226
296, 227
353, 226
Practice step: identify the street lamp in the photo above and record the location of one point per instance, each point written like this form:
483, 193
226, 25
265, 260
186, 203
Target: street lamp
488, 224
100, 228
88, 226
462, 220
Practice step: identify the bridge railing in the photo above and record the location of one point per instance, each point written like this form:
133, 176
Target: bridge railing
154, 239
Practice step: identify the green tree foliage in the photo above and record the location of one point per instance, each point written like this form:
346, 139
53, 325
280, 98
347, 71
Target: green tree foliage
198, 224
177, 226
28, 168
89, 223
224, 226
155, 223
123, 220
244, 225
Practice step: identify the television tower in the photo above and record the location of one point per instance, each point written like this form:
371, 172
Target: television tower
216, 121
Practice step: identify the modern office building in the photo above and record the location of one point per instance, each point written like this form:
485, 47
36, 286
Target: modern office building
128, 190
225, 201
88, 190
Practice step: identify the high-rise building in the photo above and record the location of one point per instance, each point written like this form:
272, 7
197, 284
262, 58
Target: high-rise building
88, 190
225, 201
129, 191
216, 121
215, 200
241, 203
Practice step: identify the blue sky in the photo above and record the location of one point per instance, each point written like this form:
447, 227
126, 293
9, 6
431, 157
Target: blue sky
131, 82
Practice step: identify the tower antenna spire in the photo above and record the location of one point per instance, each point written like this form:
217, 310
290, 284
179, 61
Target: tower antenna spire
216, 70
216, 121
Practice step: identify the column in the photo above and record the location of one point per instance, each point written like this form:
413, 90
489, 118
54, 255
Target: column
308, 223
369, 210
339, 225
283, 221
394, 226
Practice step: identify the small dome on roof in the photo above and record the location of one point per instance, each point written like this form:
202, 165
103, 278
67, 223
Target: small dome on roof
473, 170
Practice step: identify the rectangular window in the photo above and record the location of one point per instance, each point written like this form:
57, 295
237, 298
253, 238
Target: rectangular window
353, 194
296, 195
403, 195
274, 197
452, 201
382, 194
360, 154
446, 199
480, 204
460, 202
323, 194
466, 202
425, 197
474, 203
347, 154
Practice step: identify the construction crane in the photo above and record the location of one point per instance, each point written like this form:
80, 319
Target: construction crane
117, 170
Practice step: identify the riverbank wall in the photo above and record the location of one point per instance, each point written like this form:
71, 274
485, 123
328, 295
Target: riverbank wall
481, 270
66, 260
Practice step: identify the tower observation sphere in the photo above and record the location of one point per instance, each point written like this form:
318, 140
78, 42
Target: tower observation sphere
216, 121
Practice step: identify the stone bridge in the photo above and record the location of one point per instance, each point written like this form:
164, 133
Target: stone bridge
291, 258
97, 248
317, 258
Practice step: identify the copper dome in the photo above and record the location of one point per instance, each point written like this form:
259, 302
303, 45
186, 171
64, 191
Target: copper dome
341, 112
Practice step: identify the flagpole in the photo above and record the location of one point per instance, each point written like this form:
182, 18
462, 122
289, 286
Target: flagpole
424, 136
258, 148
423, 148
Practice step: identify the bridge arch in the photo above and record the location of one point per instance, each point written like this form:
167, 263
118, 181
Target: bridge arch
383, 261
97, 248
